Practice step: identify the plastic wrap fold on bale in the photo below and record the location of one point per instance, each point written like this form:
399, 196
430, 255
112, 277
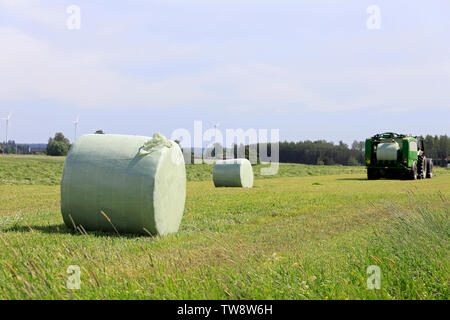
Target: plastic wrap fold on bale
233, 173
387, 151
124, 184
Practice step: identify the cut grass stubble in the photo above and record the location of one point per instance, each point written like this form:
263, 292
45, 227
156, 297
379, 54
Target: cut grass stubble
304, 237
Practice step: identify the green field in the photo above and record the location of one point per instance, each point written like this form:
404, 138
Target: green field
43, 170
309, 232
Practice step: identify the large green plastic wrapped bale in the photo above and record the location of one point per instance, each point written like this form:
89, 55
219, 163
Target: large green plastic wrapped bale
124, 184
387, 151
233, 173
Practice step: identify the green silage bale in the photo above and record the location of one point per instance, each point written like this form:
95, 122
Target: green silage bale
233, 173
123, 183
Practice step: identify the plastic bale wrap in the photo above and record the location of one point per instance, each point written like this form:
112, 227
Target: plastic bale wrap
128, 184
387, 151
233, 173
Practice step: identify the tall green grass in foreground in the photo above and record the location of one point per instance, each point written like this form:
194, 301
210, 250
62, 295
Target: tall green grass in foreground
310, 232
286, 238
414, 251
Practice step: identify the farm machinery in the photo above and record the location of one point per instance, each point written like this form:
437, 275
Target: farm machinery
391, 155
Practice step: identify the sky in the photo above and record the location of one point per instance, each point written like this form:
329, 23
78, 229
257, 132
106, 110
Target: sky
312, 69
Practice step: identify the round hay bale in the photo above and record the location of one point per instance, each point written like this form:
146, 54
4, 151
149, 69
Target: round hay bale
124, 184
387, 151
233, 173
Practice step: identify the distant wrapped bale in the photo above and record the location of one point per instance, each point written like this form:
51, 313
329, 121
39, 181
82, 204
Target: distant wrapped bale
233, 173
131, 184
387, 151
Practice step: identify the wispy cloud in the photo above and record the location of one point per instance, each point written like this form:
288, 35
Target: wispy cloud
106, 68
36, 69
35, 11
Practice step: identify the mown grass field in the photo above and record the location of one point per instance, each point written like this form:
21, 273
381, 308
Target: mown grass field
43, 170
309, 232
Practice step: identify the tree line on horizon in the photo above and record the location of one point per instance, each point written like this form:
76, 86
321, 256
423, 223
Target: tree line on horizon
12, 147
59, 145
319, 152
322, 152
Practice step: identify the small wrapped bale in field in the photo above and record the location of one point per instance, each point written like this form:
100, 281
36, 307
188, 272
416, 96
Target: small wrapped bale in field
233, 173
126, 184
387, 151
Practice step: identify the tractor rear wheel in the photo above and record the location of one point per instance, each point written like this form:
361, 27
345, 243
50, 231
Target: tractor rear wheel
413, 171
421, 167
429, 168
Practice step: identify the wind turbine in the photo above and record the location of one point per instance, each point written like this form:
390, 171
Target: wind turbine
7, 125
215, 125
77, 120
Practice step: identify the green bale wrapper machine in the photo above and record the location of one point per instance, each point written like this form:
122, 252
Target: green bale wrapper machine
392, 155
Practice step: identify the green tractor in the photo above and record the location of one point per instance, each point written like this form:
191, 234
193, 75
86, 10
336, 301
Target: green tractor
391, 155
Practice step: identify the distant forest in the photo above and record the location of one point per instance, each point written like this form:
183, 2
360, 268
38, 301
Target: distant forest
12, 147
322, 152
328, 153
